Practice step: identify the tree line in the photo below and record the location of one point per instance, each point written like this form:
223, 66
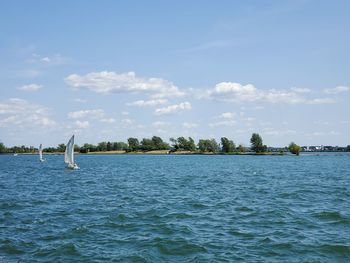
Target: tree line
226, 146
144, 145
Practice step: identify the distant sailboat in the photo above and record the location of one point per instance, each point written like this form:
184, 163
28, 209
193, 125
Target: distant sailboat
41, 153
69, 154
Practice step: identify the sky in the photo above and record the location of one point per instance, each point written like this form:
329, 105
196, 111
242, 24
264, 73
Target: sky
109, 70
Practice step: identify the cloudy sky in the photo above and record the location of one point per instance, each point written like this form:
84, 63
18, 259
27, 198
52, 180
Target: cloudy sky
109, 70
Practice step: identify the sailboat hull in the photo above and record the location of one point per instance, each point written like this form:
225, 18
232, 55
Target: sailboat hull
73, 166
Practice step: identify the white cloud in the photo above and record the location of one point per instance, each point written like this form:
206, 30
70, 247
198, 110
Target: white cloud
264, 123
107, 120
161, 131
158, 124
189, 125
235, 92
174, 108
249, 119
223, 123
333, 133
228, 115
272, 131
46, 59
146, 103
80, 100
51, 60
18, 113
301, 90
316, 134
225, 119
259, 107
127, 122
281, 96
44, 121
336, 90
321, 101
93, 114
319, 122
30, 87
107, 82
82, 124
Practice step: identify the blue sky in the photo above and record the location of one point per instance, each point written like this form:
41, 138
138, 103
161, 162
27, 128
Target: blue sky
109, 70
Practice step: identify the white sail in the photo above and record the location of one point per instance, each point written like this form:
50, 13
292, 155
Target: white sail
41, 152
66, 160
69, 153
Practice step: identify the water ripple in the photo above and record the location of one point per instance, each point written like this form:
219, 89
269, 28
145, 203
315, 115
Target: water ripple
124, 208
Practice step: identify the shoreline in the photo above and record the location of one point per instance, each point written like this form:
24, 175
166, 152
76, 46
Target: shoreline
156, 152
167, 152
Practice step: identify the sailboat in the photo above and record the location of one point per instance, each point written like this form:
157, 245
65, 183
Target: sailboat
41, 153
69, 155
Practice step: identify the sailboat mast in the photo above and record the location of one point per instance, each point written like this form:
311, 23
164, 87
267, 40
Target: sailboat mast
72, 153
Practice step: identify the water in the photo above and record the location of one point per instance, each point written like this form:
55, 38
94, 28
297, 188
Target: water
142, 208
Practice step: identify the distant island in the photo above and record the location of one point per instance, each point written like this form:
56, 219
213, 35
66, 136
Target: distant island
180, 145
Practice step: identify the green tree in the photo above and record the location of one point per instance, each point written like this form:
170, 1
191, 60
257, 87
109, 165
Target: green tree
109, 146
174, 144
61, 147
183, 144
159, 144
205, 145
134, 144
50, 149
213, 146
294, 148
88, 148
76, 148
257, 143
120, 146
2, 148
190, 146
147, 145
123, 146
227, 146
155, 143
241, 148
102, 146
21, 149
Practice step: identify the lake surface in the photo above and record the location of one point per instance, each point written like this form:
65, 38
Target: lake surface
143, 208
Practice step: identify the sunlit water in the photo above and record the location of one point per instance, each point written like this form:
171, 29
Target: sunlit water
142, 208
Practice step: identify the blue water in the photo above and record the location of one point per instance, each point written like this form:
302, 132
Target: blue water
142, 208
